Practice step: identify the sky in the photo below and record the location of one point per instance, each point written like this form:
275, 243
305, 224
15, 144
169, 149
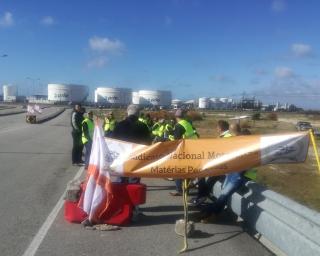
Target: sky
195, 48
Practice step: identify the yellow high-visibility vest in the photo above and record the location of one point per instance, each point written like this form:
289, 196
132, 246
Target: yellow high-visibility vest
190, 133
251, 174
90, 125
109, 125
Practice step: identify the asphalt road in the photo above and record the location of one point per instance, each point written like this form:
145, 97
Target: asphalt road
35, 168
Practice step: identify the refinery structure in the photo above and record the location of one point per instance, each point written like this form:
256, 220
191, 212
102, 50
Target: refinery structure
111, 97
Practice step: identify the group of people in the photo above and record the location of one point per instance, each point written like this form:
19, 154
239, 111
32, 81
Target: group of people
141, 129
82, 134
231, 181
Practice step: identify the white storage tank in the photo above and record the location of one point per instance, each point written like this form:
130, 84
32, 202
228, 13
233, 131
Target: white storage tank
224, 100
204, 103
9, 93
135, 98
214, 100
150, 98
113, 96
67, 92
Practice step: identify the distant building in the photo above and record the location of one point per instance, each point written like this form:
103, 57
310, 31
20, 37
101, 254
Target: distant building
249, 103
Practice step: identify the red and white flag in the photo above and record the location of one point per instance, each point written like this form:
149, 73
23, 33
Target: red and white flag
98, 193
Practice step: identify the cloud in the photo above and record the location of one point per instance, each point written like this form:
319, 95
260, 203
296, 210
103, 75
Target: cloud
284, 73
6, 20
301, 50
48, 21
98, 62
278, 5
104, 44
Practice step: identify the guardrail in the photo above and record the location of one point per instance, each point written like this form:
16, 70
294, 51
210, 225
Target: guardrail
13, 113
291, 227
49, 117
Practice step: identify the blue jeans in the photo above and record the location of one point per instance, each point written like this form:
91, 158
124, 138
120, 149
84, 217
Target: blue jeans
178, 185
88, 146
231, 183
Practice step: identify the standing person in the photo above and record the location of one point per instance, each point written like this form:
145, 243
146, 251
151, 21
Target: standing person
109, 124
132, 130
87, 136
182, 130
76, 124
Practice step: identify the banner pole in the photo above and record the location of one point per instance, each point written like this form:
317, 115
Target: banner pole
185, 207
315, 148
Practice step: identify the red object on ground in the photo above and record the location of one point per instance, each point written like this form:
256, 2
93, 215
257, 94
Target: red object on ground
125, 197
73, 213
137, 193
120, 210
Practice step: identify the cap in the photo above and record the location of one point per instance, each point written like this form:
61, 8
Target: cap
133, 110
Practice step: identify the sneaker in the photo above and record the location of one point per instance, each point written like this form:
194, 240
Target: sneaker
175, 193
197, 201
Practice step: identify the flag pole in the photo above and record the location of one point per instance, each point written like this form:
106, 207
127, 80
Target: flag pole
315, 148
185, 207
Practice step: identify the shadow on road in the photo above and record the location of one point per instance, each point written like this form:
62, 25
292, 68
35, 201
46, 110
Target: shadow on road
146, 220
236, 233
163, 208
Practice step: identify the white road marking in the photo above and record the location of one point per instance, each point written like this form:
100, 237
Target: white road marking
37, 240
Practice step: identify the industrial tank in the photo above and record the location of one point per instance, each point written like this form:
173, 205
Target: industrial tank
155, 98
224, 100
113, 96
9, 93
67, 92
204, 103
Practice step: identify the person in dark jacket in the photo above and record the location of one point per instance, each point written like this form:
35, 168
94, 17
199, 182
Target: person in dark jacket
76, 124
132, 130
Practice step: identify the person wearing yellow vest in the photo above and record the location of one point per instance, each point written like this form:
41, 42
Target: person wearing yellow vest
109, 124
168, 130
87, 136
232, 182
182, 130
158, 131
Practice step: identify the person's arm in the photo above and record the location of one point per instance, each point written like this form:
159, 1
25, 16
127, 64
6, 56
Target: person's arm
86, 131
178, 132
74, 122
